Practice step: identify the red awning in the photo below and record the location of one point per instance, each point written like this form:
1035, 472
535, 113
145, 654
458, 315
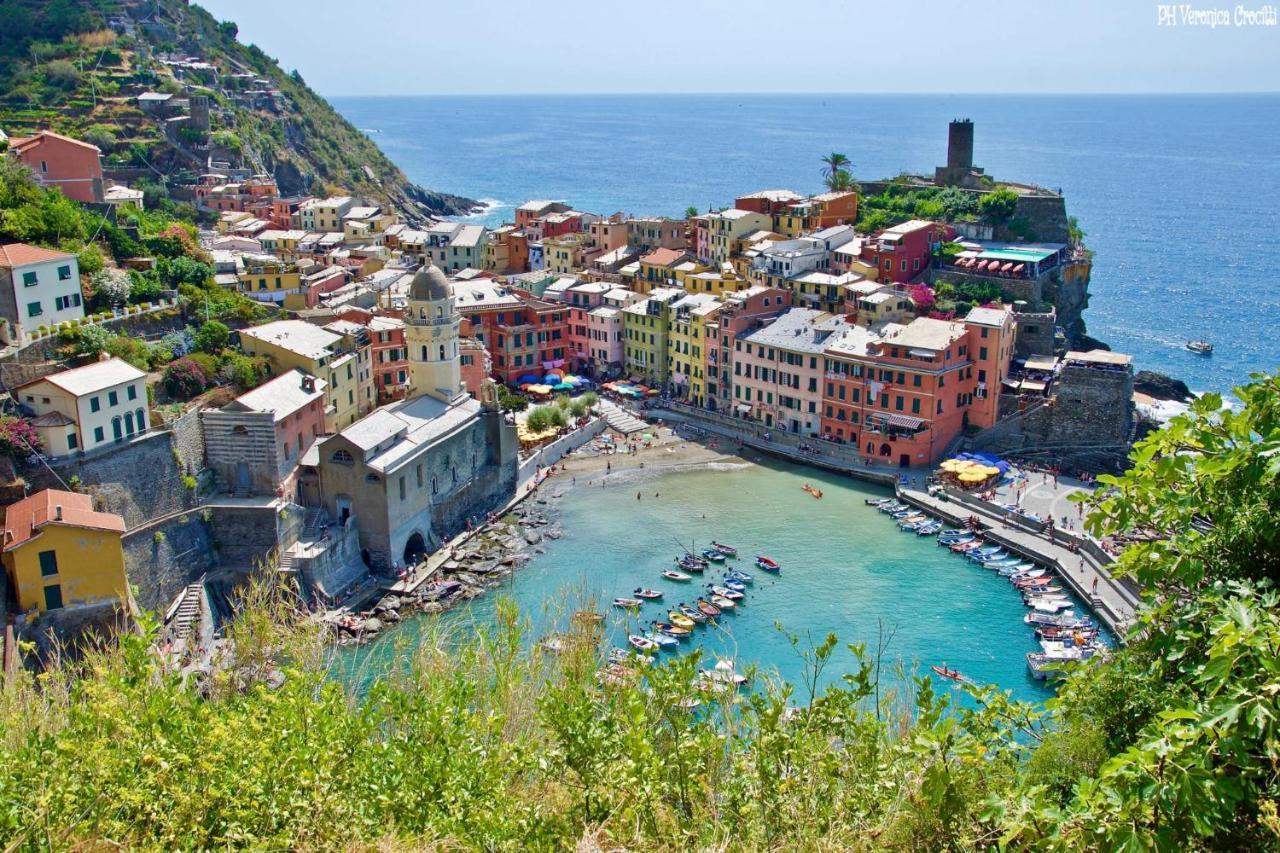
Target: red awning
904, 421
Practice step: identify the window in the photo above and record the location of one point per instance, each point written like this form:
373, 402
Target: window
98, 435
95, 404
402, 489
113, 398
418, 473
29, 279
34, 309
131, 392
982, 353
64, 273
48, 563
53, 597
342, 457
72, 441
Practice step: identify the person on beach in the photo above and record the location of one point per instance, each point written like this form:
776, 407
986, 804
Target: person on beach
637, 496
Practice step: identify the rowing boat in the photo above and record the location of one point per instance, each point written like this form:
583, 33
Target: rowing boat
768, 564
627, 603
727, 550
650, 594
676, 576
679, 619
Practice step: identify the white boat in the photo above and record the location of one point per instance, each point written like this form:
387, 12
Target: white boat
664, 641
1055, 606
644, 644
726, 592
627, 603
1200, 347
723, 674
723, 603
1061, 620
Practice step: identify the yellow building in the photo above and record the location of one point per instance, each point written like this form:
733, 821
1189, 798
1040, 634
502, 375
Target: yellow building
645, 327
715, 283
687, 344
726, 230
338, 354
268, 279
567, 254
658, 269
58, 552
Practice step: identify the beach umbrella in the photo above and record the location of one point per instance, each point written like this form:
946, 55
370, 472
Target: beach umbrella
551, 379
529, 379
562, 386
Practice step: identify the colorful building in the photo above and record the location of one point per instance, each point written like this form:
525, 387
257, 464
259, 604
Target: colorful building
726, 230
903, 252
72, 166
59, 552
89, 407
645, 326
338, 354
777, 370
266, 278
741, 313
687, 343
38, 287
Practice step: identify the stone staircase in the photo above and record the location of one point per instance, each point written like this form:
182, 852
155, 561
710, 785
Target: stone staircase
188, 610
621, 420
311, 528
286, 565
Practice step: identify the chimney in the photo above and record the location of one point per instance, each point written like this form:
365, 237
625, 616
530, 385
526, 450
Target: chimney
104, 356
308, 383
57, 513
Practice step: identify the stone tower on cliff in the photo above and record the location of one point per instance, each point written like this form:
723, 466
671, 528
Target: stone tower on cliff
431, 336
959, 171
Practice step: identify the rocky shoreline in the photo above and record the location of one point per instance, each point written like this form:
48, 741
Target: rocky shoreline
492, 554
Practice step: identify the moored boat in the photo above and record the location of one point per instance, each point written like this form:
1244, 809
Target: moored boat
706, 608
712, 555
676, 632
692, 564
726, 592
928, 529
679, 577
693, 614
1059, 620
724, 603
727, 550
680, 619
768, 564
627, 603
735, 585
649, 594
878, 502
892, 506
740, 576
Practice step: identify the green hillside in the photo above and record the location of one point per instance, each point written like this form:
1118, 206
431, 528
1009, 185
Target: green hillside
77, 67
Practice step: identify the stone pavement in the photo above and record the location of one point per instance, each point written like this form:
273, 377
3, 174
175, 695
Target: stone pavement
1039, 494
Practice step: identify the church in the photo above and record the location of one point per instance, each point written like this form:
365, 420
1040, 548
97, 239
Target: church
410, 474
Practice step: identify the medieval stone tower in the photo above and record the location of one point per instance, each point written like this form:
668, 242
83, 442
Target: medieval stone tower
431, 336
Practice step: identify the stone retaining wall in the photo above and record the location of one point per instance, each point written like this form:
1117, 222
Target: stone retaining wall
162, 558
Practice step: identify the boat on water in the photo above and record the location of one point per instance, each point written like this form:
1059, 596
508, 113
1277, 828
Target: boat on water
648, 594
724, 603
1200, 347
1050, 606
1055, 632
1015, 570
739, 576
692, 564
735, 585
909, 522
1056, 620
928, 529
664, 641
679, 577
693, 614
724, 673
674, 631
644, 644
727, 550
726, 592
680, 619
711, 555
706, 608
878, 502
817, 493
627, 603
952, 674
1050, 663
615, 674
904, 512
588, 617
891, 507
554, 643
768, 564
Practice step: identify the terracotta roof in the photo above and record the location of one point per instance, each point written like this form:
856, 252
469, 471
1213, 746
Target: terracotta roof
21, 254
31, 141
662, 257
23, 520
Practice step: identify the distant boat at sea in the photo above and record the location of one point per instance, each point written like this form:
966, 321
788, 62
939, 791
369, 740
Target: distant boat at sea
1200, 347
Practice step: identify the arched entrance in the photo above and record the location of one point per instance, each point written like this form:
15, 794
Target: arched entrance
414, 549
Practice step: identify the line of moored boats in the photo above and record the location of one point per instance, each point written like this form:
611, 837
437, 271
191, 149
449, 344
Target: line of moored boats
1063, 635
683, 619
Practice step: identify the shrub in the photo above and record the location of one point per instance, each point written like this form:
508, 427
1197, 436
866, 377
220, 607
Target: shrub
510, 402
210, 364
999, 205
189, 482
590, 399
211, 337
90, 259
184, 379
62, 74
243, 371
18, 439
158, 537
112, 286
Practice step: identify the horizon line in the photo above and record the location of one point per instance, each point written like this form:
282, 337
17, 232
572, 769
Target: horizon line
1076, 94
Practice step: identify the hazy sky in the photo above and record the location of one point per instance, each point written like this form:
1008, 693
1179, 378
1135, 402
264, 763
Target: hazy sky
398, 47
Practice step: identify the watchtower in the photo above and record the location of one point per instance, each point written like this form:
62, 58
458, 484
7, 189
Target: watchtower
960, 145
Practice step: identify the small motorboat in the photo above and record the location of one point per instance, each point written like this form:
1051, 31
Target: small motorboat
712, 555
680, 619
554, 643
1015, 570
727, 550
588, 617
1056, 605
1053, 632
706, 608
910, 522
928, 529
736, 586
693, 614
953, 674
904, 512
663, 640
724, 673
679, 577
1059, 620
739, 576
817, 493
878, 502
966, 547
673, 631
648, 594
767, 563
691, 563
1200, 347
726, 592
724, 603
627, 603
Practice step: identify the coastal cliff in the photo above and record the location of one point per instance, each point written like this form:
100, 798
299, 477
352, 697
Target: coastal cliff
78, 67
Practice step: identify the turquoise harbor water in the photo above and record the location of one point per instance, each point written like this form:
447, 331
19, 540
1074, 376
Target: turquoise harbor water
846, 568
1179, 194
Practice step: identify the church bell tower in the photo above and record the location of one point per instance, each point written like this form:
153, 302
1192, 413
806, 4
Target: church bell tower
431, 336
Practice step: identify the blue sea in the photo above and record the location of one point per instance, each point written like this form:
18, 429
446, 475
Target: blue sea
846, 569
1179, 195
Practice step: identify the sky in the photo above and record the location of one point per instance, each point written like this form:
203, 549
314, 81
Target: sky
467, 47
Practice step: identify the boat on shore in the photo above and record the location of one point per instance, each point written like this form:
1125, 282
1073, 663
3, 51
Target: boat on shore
678, 577
767, 563
727, 550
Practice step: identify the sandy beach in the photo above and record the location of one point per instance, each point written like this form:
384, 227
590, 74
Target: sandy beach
630, 457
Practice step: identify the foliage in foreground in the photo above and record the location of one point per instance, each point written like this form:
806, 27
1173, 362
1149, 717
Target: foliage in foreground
480, 743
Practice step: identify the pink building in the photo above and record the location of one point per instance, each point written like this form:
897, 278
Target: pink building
605, 332
60, 161
742, 312
778, 370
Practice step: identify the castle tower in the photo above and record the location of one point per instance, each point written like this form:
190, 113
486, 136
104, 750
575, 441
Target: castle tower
960, 145
431, 336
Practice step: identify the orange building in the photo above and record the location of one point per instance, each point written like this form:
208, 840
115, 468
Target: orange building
60, 161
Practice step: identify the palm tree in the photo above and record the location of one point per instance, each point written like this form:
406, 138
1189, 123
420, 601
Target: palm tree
833, 164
